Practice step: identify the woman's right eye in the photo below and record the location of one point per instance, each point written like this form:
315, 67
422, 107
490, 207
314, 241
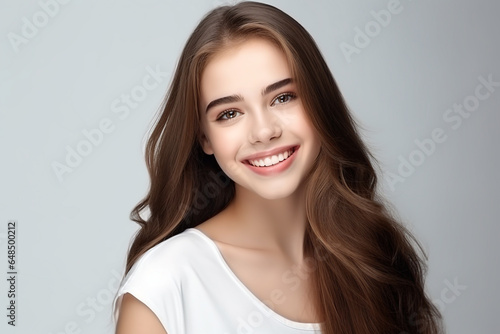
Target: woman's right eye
227, 115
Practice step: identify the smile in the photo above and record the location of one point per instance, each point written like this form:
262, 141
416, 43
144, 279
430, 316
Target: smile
272, 159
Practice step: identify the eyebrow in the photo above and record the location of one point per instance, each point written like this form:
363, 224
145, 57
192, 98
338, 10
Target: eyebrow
239, 98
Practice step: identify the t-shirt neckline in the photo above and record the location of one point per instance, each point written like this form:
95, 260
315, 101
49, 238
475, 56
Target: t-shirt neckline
243, 287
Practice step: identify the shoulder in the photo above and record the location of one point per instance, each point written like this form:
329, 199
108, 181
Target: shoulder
136, 317
172, 255
157, 277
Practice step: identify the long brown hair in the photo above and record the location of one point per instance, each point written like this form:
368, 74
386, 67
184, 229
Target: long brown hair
370, 278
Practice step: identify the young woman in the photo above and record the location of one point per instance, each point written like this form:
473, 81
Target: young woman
263, 215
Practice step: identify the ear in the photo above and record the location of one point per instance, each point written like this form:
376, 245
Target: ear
205, 144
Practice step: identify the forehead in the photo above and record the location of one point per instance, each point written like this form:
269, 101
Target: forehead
244, 68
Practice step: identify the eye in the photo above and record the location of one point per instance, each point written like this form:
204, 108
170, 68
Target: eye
227, 115
283, 98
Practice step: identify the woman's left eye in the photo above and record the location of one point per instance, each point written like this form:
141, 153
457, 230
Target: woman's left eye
283, 98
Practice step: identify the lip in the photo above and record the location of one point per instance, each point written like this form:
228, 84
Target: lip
274, 169
264, 154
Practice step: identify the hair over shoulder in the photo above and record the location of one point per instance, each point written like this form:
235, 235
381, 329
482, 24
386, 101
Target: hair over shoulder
370, 269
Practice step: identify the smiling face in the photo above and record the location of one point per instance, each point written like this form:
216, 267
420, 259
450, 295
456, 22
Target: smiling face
253, 120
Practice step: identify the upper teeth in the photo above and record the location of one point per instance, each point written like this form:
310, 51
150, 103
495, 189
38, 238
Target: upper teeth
271, 160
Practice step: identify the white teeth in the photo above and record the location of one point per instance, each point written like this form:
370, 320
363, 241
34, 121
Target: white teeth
271, 160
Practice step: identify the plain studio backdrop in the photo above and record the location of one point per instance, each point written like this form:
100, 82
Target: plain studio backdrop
80, 82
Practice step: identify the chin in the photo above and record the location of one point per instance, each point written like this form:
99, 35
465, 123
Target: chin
275, 192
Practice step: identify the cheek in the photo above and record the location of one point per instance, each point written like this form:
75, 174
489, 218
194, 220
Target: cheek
226, 145
303, 126
224, 141
310, 134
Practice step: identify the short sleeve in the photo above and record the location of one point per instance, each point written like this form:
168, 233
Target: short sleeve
153, 281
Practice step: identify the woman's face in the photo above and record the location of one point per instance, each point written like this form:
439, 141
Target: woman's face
253, 119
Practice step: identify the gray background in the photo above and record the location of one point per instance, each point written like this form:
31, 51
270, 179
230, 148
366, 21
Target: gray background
70, 75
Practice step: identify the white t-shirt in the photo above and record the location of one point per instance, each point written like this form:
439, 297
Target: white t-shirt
186, 282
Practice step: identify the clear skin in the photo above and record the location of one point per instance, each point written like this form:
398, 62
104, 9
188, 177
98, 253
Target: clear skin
260, 234
267, 208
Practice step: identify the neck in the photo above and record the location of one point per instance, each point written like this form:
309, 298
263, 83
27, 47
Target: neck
274, 225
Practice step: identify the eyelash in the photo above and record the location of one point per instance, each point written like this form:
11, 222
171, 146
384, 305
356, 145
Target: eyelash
290, 95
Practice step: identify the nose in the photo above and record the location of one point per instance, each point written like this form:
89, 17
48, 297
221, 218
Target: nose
265, 126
